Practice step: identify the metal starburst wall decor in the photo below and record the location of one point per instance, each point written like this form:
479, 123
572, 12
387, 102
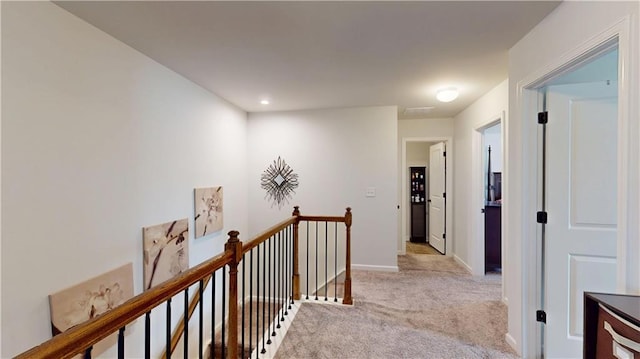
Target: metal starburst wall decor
280, 182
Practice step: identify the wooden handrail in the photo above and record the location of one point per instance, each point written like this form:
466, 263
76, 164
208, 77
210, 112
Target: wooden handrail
75, 340
296, 236
347, 219
235, 247
323, 218
347, 276
263, 236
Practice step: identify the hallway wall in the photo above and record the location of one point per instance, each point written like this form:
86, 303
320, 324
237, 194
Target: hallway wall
489, 107
338, 154
99, 141
566, 29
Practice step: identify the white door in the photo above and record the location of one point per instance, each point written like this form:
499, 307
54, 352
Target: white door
580, 253
437, 201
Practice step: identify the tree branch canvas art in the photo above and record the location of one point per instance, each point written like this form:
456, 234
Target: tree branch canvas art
166, 251
280, 182
208, 210
89, 299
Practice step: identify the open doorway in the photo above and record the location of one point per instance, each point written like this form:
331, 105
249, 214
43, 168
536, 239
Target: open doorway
486, 209
417, 154
492, 183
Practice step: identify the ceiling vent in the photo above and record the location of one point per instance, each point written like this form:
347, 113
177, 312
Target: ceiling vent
418, 110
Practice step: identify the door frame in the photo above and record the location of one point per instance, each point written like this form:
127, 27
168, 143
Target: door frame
402, 245
476, 225
527, 105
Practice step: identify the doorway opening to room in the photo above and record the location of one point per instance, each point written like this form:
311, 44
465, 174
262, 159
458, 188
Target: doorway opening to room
487, 196
425, 185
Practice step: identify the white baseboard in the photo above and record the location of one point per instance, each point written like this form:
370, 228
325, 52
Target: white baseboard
272, 348
375, 268
512, 342
462, 263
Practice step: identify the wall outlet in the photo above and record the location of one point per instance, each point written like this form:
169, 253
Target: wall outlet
370, 192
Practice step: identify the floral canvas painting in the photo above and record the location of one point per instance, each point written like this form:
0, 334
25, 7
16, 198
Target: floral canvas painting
166, 251
208, 210
89, 299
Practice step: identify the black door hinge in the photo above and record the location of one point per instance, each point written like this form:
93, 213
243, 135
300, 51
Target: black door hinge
541, 316
444, 236
541, 217
444, 195
543, 117
444, 153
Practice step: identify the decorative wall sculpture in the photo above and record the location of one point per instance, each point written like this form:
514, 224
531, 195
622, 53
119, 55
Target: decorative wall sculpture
208, 211
89, 299
166, 251
280, 182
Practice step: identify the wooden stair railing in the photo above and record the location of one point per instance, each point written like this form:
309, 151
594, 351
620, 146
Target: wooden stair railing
80, 339
347, 219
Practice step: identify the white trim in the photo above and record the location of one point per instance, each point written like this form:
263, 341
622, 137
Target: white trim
281, 332
375, 268
449, 188
462, 263
526, 106
512, 343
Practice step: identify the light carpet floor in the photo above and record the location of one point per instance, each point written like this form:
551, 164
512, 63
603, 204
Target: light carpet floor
432, 308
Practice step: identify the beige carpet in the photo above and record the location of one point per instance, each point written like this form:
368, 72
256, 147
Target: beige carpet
432, 308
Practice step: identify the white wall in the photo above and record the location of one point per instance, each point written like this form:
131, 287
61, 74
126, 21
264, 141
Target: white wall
488, 108
418, 153
98, 141
567, 29
337, 154
429, 127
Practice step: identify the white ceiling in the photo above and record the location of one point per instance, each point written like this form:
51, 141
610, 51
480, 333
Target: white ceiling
307, 55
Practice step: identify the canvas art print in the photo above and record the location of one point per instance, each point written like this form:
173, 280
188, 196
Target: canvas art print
166, 251
208, 217
89, 299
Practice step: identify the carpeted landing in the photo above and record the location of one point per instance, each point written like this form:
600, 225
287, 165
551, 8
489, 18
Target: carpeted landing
432, 308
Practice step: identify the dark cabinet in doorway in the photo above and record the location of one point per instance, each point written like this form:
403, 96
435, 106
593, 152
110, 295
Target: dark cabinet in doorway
492, 237
418, 204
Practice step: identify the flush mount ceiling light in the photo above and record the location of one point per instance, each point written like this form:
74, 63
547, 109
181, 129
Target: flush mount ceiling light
264, 102
447, 94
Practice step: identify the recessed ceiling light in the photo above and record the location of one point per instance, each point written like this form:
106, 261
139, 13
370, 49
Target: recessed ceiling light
447, 94
264, 102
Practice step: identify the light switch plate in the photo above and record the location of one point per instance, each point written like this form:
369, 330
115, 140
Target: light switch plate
371, 192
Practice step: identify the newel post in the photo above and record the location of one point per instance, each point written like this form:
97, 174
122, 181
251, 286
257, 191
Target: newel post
347, 280
296, 273
234, 246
